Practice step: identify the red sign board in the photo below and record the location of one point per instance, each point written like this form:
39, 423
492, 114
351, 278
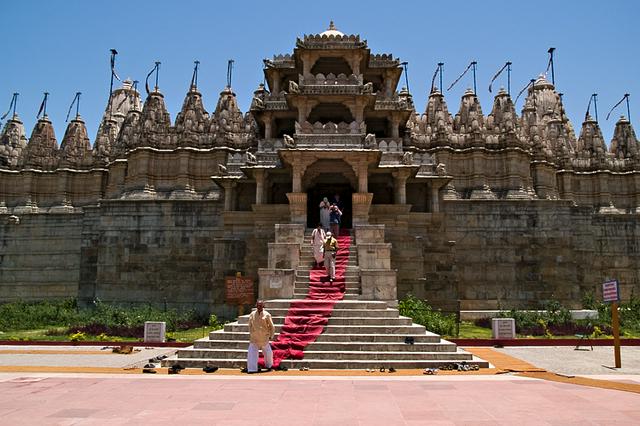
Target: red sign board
610, 291
238, 290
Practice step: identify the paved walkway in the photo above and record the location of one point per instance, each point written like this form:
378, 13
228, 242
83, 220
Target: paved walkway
47, 399
31, 393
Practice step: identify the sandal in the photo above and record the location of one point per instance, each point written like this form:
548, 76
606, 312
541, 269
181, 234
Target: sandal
392, 370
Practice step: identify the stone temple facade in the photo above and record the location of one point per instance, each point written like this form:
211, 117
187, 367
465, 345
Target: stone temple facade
503, 209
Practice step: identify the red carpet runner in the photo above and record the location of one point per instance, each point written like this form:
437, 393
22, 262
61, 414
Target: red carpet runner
307, 318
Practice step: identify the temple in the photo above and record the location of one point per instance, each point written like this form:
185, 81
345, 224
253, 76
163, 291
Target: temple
465, 209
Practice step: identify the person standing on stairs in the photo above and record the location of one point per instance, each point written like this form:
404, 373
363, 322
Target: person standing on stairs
317, 242
330, 249
324, 213
334, 219
261, 330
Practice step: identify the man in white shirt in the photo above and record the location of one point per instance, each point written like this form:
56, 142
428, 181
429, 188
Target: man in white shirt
261, 330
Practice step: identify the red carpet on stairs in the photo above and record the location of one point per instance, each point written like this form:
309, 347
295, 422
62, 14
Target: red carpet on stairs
307, 318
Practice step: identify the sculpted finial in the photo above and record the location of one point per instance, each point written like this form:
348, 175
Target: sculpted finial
331, 26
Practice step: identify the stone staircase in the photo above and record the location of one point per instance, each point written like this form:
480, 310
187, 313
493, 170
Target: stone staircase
361, 334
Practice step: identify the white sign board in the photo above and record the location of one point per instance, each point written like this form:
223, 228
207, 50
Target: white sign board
610, 291
503, 328
275, 282
155, 331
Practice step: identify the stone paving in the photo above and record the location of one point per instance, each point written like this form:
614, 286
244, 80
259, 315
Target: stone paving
228, 398
567, 360
47, 399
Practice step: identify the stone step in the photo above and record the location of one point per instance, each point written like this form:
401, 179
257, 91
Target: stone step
348, 283
389, 312
346, 296
340, 304
329, 355
335, 346
328, 337
301, 294
346, 329
327, 364
364, 321
347, 275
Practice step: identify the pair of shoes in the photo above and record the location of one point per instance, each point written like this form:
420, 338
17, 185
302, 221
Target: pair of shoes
392, 370
266, 370
430, 371
173, 371
209, 369
281, 368
244, 370
150, 365
149, 371
382, 369
409, 340
304, 368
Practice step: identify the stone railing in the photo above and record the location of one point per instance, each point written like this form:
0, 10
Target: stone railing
270, 103
342, 128
281, 61
392, 104
330, 79
317, 41
383, 61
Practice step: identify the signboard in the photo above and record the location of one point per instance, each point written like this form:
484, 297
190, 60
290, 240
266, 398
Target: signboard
239, 290
503, 328
154, 331
610, 291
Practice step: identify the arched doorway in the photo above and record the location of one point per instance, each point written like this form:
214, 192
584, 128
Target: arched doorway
326, 178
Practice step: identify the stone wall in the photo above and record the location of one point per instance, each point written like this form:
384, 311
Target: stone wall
510, 253
40, 256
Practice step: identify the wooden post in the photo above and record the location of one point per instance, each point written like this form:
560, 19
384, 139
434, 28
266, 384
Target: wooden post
615, 324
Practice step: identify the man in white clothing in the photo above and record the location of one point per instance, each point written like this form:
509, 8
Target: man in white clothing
261, 330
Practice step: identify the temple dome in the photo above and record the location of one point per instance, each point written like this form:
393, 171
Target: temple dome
332, 31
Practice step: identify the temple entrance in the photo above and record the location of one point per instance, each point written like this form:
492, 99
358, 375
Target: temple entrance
315, 195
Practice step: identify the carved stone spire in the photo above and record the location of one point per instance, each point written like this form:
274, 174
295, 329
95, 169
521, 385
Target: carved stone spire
13, 141
228, 124
624, 143
155, 122
192, 121
122, 100
105, 141
547, 104
503, 118
75, 148
129, 136
42, 150
591, 142
469, 118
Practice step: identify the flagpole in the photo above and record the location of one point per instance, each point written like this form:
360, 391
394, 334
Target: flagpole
553, 77
441, 65
595, 104
474, 63
626, 95
509, 78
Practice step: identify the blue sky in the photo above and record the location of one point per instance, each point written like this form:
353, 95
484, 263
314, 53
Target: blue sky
63, 48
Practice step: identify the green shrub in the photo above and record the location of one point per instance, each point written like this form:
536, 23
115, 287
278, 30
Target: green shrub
421, 313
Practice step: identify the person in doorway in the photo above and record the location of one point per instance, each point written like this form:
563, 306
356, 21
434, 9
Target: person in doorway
330, 250
317, 242
261, 330
324, 213
335, 215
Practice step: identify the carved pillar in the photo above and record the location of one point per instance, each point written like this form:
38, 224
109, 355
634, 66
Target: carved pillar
363, 177
395, 126
268, 124
435, 199
360, 204
229, 193
276, 82
298, 207
400, 186
260, 176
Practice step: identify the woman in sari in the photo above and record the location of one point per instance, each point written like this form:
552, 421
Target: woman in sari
324, 213
317, 242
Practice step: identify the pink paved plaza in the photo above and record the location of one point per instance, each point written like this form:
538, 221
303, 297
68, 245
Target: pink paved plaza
67, 399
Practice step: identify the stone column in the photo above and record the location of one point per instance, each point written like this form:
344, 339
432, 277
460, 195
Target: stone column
435, 199
268, 124
229, 192
400, 186
260, 175
276, 83
395, 126
298, 207
360, 204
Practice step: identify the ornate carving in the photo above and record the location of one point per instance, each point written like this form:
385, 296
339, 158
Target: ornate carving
289, 142
370, 141
229, 127
75, 148
155, 122
105, 141
42, 150
192, 121
624, 143
12, 142
129, 136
